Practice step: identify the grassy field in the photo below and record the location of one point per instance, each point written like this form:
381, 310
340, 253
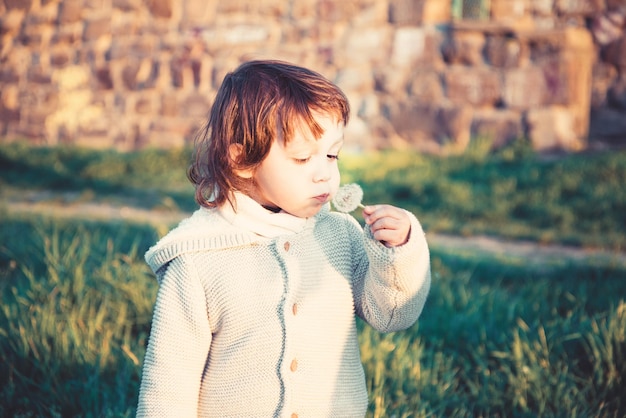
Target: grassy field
496, 339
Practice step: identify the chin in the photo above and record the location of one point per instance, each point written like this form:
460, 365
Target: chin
306, 213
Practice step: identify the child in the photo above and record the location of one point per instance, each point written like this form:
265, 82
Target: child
255, 314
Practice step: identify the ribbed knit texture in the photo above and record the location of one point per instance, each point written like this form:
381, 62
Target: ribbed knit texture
247, 325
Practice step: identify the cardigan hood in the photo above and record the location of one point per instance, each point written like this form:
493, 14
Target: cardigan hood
226, 227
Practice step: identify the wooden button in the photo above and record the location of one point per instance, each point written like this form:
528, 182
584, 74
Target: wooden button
294, 415
294, 365
294, 308
287, 245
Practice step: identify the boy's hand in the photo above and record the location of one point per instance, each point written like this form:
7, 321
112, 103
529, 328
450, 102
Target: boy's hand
390, 225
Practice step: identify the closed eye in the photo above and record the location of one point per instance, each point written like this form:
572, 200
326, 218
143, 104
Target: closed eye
332, 157
302, 160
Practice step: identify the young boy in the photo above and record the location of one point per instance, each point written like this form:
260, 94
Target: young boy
259, 288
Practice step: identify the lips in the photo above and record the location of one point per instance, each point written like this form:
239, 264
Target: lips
323, 198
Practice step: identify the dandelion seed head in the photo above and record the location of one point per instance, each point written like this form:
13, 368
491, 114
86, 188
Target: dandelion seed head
348, 198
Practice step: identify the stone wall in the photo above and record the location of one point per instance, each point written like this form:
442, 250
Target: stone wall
135, 73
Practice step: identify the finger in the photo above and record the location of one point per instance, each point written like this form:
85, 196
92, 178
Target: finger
376, 212
386, 222
390, 237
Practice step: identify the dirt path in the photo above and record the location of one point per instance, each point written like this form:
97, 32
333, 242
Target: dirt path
522, 252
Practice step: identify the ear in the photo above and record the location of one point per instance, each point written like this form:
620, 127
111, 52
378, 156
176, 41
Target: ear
234, 152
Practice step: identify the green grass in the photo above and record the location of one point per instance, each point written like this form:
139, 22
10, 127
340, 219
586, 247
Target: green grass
578, 200
494, 340
497, 338
148, 179
76, 307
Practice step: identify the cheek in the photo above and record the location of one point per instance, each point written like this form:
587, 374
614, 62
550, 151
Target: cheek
335, 181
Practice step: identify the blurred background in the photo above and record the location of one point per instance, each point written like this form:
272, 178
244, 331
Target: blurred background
420, 74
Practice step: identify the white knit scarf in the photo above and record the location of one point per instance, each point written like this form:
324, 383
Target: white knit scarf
253, 217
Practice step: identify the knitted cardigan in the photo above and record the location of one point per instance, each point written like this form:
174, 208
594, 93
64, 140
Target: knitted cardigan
255, 313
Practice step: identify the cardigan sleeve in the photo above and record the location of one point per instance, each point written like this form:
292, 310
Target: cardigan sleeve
391, 284
178, 347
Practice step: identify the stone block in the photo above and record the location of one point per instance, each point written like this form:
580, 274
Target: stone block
608, 26
503, 51
170, 106
160, 8
615, 53
129, 5
9, 116
60, 57
366, 107
195, 106
35, 116
96, 27
73, 77
31, 36
11, 21
508, 10
425, 86
616, 5
473, 86
579, 7
553, 128
170, 132
607, 125
198, 14
617, 93
391, 81
500, 126
370, 47
356, 79
541, 7
545, 23
436, 12
413, 47
33, 133
464, 47
18, 4
68, 34
454, 125
129, 75
431, 126
604, 75
70, 11
371, 14
9, 97
524, 88
408, 46
405, 12
304, 10
336, 11
38, 75
9, 75
566, 58
124, 26
143, 105
104, 78
419, 12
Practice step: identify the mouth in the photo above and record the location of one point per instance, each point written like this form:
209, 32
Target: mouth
323, 198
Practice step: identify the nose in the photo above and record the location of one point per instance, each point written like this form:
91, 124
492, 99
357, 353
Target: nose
323, 171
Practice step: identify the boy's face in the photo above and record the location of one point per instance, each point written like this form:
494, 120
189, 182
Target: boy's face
303, 175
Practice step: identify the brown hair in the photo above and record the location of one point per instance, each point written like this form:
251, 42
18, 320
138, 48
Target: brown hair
257, 103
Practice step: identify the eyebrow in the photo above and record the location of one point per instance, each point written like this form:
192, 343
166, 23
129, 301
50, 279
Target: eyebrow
295, 149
